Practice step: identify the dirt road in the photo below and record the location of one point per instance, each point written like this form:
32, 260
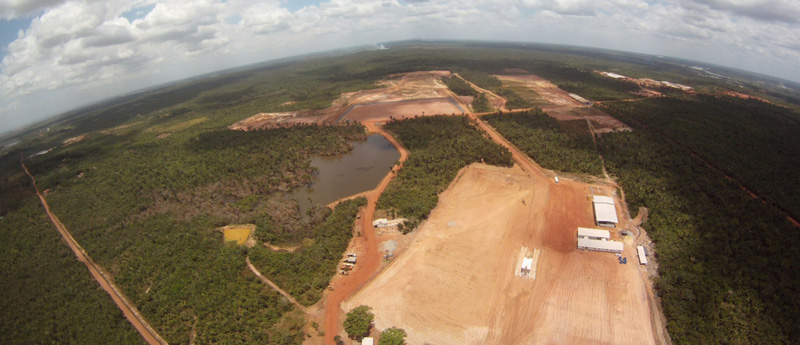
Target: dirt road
273, 285
346, 286
130, 312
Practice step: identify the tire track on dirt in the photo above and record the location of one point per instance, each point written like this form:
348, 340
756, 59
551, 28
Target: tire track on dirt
131, 313
274, 286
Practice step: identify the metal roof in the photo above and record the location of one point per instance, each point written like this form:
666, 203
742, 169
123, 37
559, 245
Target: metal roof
642, 256
604, 210
587, 232
611, 246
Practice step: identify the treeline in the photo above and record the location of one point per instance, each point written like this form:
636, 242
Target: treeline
48, 296
546, 140
459, 86
306, 273
146, 209
754, 142
726, 261
438, 147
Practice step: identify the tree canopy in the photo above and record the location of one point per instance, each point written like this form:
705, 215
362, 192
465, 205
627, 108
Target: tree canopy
358, 322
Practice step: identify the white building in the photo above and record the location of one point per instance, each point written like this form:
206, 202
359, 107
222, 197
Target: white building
600, 245
605, 214
367, 341
594, 234
380, 222
642, 255
614, 75
583, 101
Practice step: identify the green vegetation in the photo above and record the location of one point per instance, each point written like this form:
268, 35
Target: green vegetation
724, 258
146, 210
48, 296
438, 147
358, 322
481, 104
393, 336
751, 141
563, 146
306, 273
459, 86
513, 100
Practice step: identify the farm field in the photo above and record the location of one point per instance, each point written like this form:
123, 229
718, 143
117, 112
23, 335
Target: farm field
456, 282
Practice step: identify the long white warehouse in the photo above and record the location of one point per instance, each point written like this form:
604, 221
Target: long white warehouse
594, 234
642, 255
605, 214
600, 245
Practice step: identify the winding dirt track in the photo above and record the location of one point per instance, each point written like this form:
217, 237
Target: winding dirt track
273, 285
131, 313
367, 268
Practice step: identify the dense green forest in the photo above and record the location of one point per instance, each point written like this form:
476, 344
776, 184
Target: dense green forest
438, 147
146, 208
754, 142
725, 259
49, 297
549, 142
306, 273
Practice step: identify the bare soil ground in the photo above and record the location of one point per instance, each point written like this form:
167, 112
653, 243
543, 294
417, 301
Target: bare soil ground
456, 282
405, 94
383, 111
559, 105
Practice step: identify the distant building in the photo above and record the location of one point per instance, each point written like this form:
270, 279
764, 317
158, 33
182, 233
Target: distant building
367, 341
583, 101
605, 214
676, 86
380, 222
614, 75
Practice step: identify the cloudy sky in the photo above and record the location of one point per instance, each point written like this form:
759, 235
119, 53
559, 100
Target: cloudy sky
59, 54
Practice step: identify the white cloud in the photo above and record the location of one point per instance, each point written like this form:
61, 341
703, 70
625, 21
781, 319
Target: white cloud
83, 48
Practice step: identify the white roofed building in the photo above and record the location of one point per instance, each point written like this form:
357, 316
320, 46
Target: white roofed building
605, 214
594, 234
600, 245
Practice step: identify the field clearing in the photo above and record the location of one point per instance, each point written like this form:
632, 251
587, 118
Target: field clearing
404, 94
238, 233
383, 111
558, 104
457, 282
176, 127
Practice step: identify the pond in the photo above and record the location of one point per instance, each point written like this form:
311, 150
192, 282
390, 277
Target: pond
351, 173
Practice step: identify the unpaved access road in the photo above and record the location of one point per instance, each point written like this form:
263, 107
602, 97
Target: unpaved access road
369, 261
131, 313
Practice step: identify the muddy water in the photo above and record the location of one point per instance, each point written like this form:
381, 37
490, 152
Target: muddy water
340, 176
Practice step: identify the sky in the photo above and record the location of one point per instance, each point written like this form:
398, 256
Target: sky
61, 54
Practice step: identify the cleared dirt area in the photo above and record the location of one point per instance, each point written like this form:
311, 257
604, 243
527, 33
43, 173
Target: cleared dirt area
456, 283
405, 94
238, 233
383, 111
558, 104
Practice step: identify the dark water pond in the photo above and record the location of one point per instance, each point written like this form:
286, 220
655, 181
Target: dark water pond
340, 176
